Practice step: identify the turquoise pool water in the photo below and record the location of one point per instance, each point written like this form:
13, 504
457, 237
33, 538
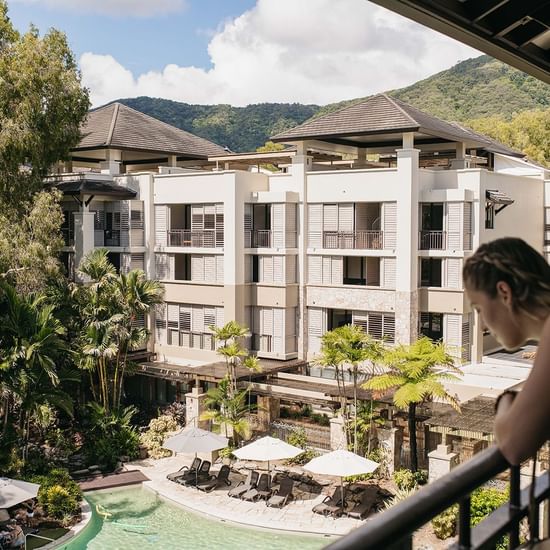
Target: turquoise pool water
143, 520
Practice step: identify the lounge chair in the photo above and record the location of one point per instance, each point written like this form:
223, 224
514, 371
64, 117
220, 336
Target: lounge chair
244, 486
261, 490
215, 481
283, 494
332, 504
192, 478
364, 506
185, 469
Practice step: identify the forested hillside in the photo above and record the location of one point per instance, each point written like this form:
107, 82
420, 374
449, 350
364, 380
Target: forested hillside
481, 91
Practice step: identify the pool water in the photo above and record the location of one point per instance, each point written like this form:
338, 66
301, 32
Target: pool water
140, 519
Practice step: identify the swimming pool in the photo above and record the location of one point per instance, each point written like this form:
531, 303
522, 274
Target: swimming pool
141, 519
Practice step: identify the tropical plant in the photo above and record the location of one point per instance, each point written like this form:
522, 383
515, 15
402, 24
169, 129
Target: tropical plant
417, 373
153, 438
59, 494
110, 307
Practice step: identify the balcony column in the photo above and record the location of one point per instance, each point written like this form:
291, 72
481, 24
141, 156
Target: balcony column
406, 295
441, 462
391, 441
83, 237
460, 161
194, 407
338, 438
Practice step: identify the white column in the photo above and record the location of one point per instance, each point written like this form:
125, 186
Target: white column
460, 161
83, 237
441, 462
194, 407
338, 438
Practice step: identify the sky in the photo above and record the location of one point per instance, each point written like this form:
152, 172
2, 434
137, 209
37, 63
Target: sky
241, 51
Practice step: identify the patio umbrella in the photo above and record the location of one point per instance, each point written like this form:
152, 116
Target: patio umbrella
195, 440
341, 463
267, 449
14, 491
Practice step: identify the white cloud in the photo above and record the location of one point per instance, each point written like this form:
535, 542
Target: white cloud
126, 8
317, 51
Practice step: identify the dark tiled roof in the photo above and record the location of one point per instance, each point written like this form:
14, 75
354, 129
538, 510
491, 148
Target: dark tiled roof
383, 114
119, 126
79, 187
476, 415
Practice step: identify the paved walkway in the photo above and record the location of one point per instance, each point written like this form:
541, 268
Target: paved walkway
295, 516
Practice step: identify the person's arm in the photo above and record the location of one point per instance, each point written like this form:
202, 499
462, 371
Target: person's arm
522, 424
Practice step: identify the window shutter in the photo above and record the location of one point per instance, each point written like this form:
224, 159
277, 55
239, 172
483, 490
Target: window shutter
124, 223
247, 225
389, 272
290, 266
197, 268
315, 223
173, 324
266, 320
327, 270
373, 267
161, 266
315, 270
160, 323
315, 318
389, 214
137, 261
466, 339
330, 217
337, 277
209, 269
453, 225
125, 263
219, 269
278, 270
137, 234
209, 318
278, 330
197, 217
345, 217
161, 224
361, 218
290, 225
266, 269
376, 325
467, 227
197, 319
361, 319
185, 318
277, 225
220, 224
219, 317
453, 333
248, 268
454, 272
388, 322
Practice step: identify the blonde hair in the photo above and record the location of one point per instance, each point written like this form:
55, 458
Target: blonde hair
516, 263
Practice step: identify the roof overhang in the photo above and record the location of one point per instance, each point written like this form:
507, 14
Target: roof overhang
82, 189
514, 31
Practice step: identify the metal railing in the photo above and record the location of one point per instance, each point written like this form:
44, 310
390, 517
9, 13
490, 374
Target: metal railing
262, 342
317, 436
393, 529
269, 238
361, 240
432, 240
38, 537
111, 237
199, 238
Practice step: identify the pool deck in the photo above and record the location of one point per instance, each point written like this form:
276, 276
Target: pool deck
120, 479
295, 516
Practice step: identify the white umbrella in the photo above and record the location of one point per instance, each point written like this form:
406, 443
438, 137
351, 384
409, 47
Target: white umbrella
267, 449
14, 491
341, 463
195, 440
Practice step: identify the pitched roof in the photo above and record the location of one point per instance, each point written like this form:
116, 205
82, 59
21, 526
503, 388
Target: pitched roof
381, 114
118, 126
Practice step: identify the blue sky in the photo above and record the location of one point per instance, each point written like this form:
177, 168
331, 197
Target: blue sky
241, 51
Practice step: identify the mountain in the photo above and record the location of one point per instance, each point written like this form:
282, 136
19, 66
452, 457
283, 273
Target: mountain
472, 89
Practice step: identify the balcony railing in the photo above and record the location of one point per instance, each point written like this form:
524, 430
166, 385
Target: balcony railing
262, 342
111, 237
393, 529
268, 238
190, 339
361, 240
199, 238
68, 236
432, 240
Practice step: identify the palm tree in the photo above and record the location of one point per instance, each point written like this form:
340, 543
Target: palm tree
417, 373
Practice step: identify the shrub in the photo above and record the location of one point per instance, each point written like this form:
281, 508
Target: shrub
444, 525
226, 452
405, 479
153, 438
59, 494
400, 494
298, 438
302, 458
176, 411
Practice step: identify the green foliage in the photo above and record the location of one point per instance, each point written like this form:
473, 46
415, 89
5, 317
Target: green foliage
444, 525
154, 437
400, 495
59, 494
404, 479
226, 452
302, 458
298, 438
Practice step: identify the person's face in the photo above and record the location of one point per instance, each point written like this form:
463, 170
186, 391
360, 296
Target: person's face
498, 316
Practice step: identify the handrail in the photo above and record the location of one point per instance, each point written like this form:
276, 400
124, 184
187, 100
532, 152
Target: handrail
38, 537
394, 527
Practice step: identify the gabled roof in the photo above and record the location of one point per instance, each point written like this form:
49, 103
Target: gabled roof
118, 126
381, 114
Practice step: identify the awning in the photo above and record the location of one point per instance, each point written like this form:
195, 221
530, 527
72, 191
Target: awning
498, 197
81, 188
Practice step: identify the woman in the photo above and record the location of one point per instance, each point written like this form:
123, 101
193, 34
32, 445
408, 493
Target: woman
508, 284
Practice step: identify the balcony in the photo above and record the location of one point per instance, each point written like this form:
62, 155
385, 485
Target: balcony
198, 238
267, 238
432, 240
393, 529
191, 339
111, 237
262, 343
68, 236
352, 240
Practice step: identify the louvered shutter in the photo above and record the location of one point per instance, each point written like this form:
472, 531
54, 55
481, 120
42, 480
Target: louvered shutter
389, 265
197, 319
361, 219
197, 217
197, 268
277, 226
161, 224
454, 272
388, 325
209, 318
290, 225
278, 270
98, 208
315, 270
219, 269
389, 214
220, 224
137, 261
248, 268
345, 217
171, 266
266, 269
137, 237
467, 226
124, 223
466, 339
336, 277
290, 267
361, 319
454, 232
185, 326
209, 269
373, 272
247, 225
315, 326
160, 323
327, 270
315, 224
173, 324
220, 317
209, 238
330, 217
161, 266
453, 333
125, 261
376, 325
278, 330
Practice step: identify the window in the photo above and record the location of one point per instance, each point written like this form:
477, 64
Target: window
489, 215
430, 272
338, 318
255, 268
182, 267
354, 271
431, 325
432, 216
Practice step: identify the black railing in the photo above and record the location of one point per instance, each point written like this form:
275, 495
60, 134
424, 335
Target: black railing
393, 529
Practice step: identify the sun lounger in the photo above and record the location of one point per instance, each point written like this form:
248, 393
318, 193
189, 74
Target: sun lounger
260, 491
364, 506
332, 504
184, 470
192, 478
215, 481
244, 486
283, 494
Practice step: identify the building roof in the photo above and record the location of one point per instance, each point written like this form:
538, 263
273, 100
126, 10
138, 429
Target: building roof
476, 415
381, 115
118, 126
80, 187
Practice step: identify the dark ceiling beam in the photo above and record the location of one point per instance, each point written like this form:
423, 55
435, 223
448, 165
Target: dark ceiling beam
512, 14
542, 15
478, 9
522, 35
